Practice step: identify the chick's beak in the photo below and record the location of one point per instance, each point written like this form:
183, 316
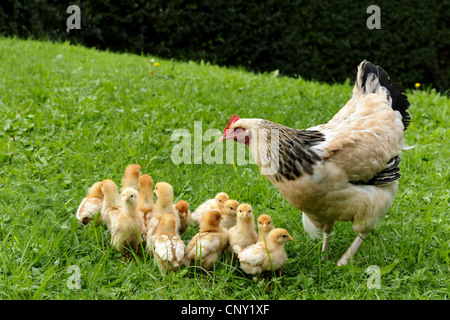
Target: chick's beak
290, 238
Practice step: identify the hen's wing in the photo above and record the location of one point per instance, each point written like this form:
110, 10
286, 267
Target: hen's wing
365, 138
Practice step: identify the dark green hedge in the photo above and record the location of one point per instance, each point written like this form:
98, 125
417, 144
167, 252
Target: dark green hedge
322, 40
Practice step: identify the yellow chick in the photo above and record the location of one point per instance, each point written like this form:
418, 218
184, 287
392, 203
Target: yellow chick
254, 259
130, 178
145, 200
206, 246
216, 203
168, 248
243, 234
164, 205
127, 227
182, 209
265, 225
91, 204
229, 213
111, 202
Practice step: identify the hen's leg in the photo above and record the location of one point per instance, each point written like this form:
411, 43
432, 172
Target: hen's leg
325, 244
352, 249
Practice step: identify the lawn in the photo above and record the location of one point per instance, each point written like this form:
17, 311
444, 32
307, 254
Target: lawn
72, 116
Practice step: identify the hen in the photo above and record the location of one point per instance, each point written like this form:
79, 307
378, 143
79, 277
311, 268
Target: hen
344, 170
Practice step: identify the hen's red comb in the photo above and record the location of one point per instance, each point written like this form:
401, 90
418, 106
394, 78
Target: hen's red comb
233, 119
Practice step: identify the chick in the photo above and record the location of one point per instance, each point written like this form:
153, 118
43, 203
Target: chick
130, 178
243, 234
91, 204
127, 227
229, 213
145, 200
265, 225
164, 205
168, 247
111, 202
182, 209
206, 246
265, 256
216, 203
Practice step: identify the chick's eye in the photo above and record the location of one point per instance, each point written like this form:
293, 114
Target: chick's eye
284, 236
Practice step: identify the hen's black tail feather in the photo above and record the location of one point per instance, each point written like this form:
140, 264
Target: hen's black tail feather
368, 80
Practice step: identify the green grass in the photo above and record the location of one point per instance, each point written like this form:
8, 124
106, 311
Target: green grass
72, 116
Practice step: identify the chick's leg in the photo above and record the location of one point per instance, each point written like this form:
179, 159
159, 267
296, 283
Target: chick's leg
352, 249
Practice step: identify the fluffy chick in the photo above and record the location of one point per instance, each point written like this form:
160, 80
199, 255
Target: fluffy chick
91, 204
265, 225
243, 234
182, 209
216, 203
229, 213
259, 257
130, 178
164, 205
111, 202
127, 227
145, 200
206, 246
168, 247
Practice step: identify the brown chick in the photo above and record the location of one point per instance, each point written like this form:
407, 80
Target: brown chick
168, 247
265, 225
229, 213
243, 234
164, 205
127, 227
145, 200
254, 259
182, 209
130, 178
206, 246
216, 203
111, 202
91, 204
